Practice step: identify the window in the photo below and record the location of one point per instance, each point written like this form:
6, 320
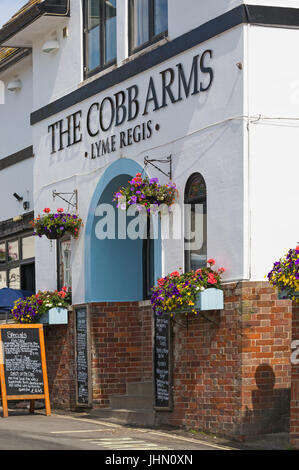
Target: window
17, 267
100, 34
195, 223
148, 22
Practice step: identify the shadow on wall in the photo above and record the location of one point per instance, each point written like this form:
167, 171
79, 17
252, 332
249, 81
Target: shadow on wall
270, 411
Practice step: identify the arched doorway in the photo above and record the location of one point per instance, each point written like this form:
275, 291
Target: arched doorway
116, 267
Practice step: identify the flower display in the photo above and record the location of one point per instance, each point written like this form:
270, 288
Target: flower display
55, 225
285, 275
31, 309
145, 193
178, 291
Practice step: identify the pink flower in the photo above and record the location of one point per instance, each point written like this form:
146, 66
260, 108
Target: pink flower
221, 270
211, 261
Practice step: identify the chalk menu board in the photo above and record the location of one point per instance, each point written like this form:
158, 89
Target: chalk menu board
162, 363
83, 393
23, 364
23, 370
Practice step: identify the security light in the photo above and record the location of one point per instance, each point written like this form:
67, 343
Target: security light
14, 85
18, 198
50, 46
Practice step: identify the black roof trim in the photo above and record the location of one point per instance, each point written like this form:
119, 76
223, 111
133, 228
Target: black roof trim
17, 157
243, 14
18, 55
48, 7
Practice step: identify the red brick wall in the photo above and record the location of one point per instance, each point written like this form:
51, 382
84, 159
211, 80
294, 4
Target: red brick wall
60, 357
231, 374
121, 337
294, 421
232, 377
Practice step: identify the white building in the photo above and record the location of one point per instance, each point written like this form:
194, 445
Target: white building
108, 84
235, 123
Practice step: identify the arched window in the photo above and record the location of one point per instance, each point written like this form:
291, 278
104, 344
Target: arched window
195, 223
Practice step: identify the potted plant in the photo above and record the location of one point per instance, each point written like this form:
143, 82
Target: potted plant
285, 275
55, 225
27, 310
147, 194
45, 307
189, 292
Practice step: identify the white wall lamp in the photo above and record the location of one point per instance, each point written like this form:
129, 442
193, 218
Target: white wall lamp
14, 85
50, 46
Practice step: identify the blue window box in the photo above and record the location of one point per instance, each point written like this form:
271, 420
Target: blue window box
288, 294
55, 316
210, 299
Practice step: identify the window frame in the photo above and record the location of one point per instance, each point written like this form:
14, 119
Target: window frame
152, 37
104, 65
7, 266
187, 253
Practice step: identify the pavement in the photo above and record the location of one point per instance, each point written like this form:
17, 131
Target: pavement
85, 431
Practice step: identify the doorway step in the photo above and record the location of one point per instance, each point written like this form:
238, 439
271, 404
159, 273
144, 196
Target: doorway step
134, 408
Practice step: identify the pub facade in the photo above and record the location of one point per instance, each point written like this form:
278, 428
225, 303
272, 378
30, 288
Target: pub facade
203, 97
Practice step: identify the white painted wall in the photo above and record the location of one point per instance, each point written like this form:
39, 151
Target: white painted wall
58, 73
16, 179
15, 129
273, 93
15, 135
193, 13
197, 132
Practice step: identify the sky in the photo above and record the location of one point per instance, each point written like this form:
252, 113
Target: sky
8, 8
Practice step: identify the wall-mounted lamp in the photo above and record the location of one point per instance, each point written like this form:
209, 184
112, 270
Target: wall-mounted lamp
50, 46
18, 198
14, 85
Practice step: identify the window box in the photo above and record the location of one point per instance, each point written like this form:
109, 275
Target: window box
55, 316
210, 299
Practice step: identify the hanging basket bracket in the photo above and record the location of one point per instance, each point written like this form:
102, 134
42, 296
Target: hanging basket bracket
168, 161
70, 198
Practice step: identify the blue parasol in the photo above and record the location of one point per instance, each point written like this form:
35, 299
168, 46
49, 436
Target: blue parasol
9, 296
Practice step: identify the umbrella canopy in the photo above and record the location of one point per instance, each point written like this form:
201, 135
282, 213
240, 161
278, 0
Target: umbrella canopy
9, 296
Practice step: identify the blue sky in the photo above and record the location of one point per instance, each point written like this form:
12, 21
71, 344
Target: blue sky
8, 8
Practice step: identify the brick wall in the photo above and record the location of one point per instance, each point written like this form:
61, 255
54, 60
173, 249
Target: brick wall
60, 357
294, 420
121, 349
231, 371
232, 376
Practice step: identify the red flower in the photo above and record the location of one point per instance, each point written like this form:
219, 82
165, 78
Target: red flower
221, 270
211, 261
60, 210
175, 274
138, 175
161, 282
47, 210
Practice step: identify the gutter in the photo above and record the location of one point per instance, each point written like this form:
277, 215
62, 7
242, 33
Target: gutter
47, 7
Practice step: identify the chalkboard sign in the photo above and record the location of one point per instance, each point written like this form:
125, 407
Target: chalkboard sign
82, 357
163, 363
23, 371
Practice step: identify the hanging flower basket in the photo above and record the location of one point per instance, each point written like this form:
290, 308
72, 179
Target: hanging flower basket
146, 194
56, 225
285, 275
45, 307
189, 292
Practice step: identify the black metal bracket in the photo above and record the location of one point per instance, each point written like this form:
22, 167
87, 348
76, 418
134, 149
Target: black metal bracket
152, 162
69, 201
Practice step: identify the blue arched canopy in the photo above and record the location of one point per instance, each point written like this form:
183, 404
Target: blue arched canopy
114, 267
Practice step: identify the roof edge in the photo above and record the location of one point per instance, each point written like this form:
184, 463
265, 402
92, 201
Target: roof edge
47, 7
